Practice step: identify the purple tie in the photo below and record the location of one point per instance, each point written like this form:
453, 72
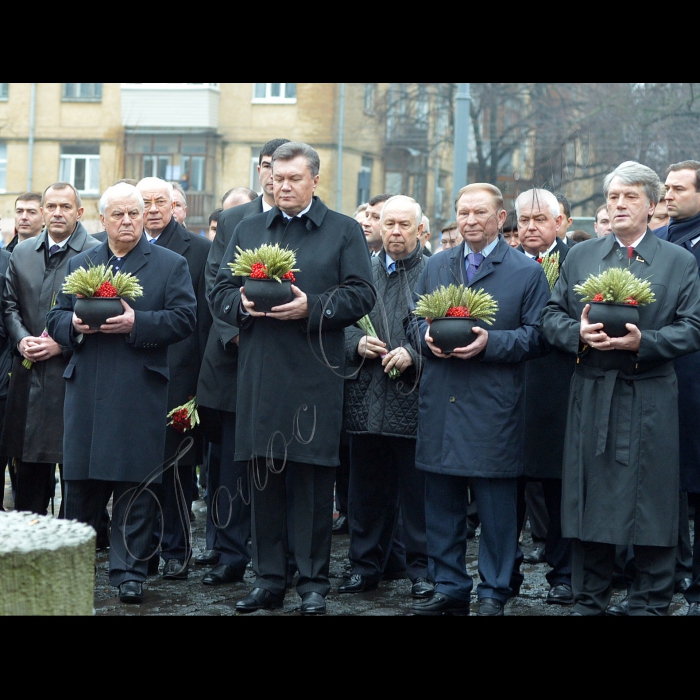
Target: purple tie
54, 249
475, 259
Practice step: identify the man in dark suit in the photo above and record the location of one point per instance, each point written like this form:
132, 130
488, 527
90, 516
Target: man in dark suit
228, 505
117, 387
539, 220
620, 477
33, 431
290, 391
471, 409
184, 360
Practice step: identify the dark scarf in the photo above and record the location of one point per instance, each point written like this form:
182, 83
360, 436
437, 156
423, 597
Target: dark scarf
682, 230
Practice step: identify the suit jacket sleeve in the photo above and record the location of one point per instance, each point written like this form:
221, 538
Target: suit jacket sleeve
683, 335
354, 297
525, 342
558, 327
176, 321
10, 306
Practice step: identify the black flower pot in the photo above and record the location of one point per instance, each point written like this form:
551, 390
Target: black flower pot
613, 316
452, 332
94, 311
268, 293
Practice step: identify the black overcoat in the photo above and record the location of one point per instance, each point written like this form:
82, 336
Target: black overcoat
471, 412
547, 382
185, 357
374, 402
117, 384
290, 373
620, 471
33, 429
687, 370
218, 377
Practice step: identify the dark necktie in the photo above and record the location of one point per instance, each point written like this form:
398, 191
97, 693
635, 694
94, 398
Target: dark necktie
392, 268
54, 249
475, 259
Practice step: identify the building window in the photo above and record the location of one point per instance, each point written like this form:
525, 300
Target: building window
254, 178
3, 166
364, 181
80, 165
158, 166
82, 92
4, 90
192, 177
370, 92
275, 92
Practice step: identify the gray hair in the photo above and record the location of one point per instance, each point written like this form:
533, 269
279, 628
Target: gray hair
177, 186
121, 190
294, 149
407, 200
632, 173
155, 182
540, 197
426, 224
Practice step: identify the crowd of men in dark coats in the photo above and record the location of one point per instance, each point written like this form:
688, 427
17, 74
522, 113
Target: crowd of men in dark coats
428, 433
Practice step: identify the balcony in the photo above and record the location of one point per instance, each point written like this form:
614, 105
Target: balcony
170, 106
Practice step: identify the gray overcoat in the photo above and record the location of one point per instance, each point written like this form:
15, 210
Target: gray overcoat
620, 472
33, 430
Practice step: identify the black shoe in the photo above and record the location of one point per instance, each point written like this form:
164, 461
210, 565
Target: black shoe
694, 609
175, 570
208, 557
536, 556
131, 592
683, 585
359, 584
259, 599
490, 607
621, 609
440, 604
560, 595
422, 588
223, 573
313, 603
340, 526
153, 564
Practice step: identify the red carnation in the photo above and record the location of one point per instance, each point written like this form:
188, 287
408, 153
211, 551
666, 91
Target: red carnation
457, 312
106, 289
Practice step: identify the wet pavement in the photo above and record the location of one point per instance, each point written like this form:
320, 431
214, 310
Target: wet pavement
191, 598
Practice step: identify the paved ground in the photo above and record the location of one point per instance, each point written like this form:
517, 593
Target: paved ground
392, 598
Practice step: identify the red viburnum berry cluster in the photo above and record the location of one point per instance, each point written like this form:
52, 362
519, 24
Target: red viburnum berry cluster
598, 297
539, 260
289, 276
259, 271
457, 312
181, 420
106, 289
631, 301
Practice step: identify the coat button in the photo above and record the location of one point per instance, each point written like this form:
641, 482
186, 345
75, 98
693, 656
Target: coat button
328, 312
452, 399
227, 308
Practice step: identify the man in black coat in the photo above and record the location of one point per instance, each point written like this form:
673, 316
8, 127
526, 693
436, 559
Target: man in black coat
546, 397
381, 413
620, 475
33, 430
291, 361
228, 504
184, 361
117, 387
683, 201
